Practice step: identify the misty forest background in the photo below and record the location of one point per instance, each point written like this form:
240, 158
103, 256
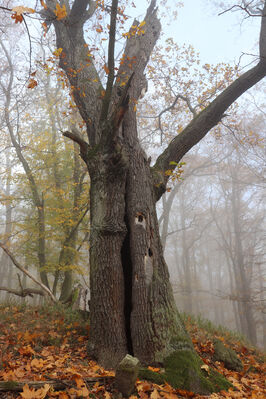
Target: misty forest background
212, 219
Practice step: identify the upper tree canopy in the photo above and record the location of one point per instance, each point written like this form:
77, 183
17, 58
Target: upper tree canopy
102, 104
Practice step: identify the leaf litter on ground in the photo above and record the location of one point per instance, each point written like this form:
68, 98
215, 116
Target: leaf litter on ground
49, 344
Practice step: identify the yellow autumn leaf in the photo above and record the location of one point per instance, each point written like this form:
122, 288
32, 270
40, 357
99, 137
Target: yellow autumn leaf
21, 9
142, 24
60, 12
58, 51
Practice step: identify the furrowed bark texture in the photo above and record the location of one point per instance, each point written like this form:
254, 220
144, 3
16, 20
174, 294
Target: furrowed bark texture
132, 305
155, 325
107, 342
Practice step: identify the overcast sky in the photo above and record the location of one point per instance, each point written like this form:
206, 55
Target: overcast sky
216, 38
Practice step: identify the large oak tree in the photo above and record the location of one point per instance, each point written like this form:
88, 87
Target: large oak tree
132, 305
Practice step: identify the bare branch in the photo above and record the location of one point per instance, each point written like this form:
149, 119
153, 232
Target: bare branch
21, 268
111, 62
246, 7
23, 293
202, 124
186, 99
263, 35
57, 384
76, 137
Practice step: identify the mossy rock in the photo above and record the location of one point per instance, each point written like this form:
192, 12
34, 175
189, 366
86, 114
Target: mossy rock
126, 375
227, 356
182, 370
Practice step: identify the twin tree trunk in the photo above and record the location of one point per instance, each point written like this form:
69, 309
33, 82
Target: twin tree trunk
132, 304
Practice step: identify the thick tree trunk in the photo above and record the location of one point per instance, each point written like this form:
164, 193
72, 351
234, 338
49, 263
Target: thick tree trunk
108, 341
132, 305
154, 321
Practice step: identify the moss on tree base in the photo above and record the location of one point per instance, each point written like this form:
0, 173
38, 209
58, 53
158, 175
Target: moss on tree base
182, 370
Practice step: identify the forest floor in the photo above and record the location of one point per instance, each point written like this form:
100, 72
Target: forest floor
49, 344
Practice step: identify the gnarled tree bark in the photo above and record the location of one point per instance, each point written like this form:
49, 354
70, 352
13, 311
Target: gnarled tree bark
132, 306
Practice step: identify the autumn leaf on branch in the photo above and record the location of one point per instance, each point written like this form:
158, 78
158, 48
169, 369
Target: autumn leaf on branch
19, 10
60, 12
32, 83
17, 18
106, 69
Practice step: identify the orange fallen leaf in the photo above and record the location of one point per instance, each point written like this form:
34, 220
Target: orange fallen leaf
155, 369
29, 393
155, 394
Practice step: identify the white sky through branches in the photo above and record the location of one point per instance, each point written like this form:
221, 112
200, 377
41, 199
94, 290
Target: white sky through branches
217, 38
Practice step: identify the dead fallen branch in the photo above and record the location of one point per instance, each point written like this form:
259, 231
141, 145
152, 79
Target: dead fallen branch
17, 386
21, 268
25, 292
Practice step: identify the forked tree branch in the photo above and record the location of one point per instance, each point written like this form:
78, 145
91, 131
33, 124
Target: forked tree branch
179, 96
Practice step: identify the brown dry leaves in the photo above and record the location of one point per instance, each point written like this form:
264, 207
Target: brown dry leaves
41, 345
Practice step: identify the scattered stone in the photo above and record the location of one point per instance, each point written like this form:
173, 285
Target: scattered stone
127, 374
227, 356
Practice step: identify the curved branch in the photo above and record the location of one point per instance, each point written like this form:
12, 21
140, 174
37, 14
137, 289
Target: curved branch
201, 125
83, 145
186, 99
208, 118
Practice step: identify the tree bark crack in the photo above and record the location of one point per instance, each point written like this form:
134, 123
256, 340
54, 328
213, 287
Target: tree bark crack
128, 271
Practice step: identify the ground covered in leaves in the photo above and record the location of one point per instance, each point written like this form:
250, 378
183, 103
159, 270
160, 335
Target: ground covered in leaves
49, 344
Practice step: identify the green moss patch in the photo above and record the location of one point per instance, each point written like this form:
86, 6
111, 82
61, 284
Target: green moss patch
182, 370
227, 356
